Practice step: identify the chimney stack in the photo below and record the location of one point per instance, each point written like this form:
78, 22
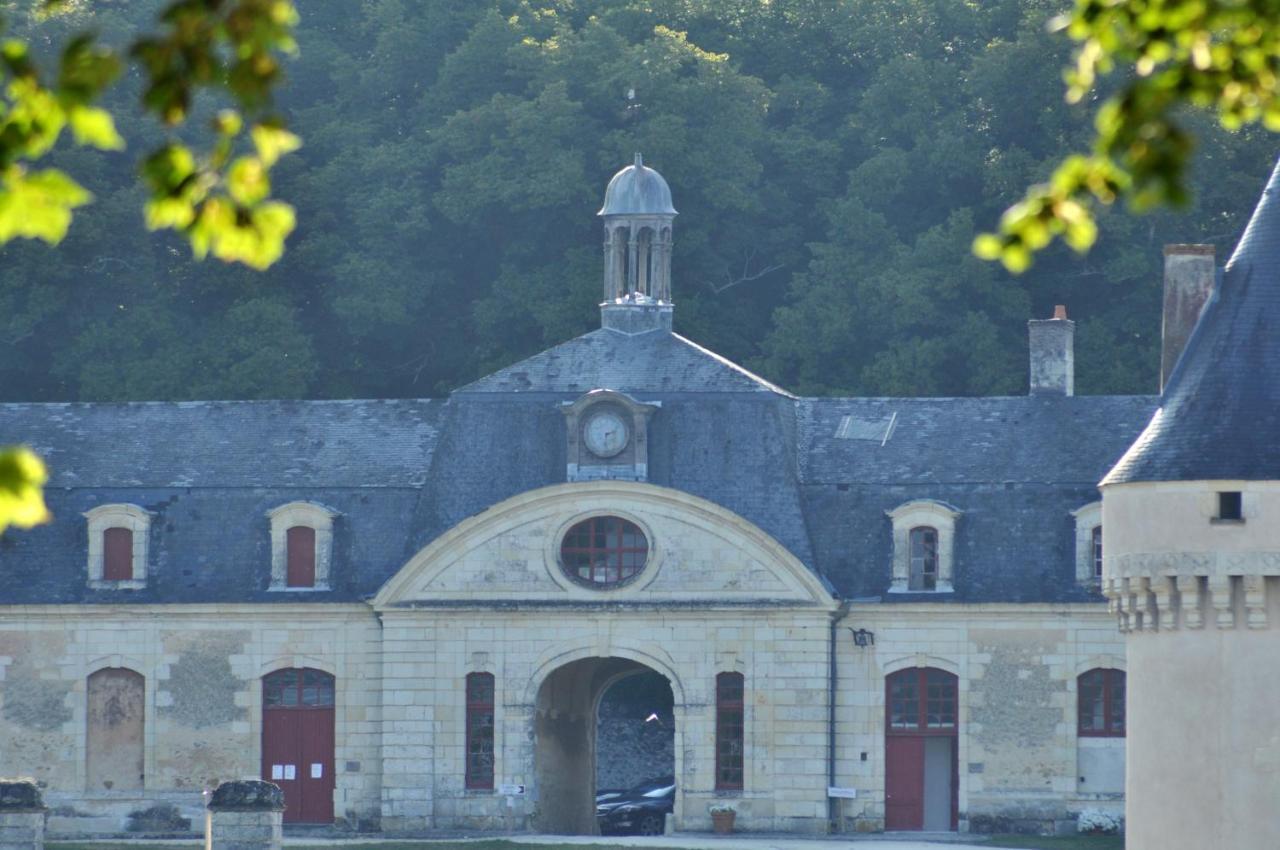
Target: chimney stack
1053, 354
1189, 273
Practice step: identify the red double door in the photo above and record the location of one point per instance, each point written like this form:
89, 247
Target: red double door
921, 763
297, 742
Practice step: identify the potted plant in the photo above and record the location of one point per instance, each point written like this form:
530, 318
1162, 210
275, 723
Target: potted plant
722, 816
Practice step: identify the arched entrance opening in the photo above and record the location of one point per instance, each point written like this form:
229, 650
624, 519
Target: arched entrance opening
598, 723
922, 719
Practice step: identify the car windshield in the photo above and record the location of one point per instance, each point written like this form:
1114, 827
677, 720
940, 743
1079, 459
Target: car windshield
654, 787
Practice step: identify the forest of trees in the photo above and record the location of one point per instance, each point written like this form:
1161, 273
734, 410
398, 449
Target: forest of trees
831, 160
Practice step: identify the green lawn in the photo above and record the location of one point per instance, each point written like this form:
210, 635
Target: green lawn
1063, 842
494, 844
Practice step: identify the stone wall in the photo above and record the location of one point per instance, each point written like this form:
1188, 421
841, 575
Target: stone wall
1017, 665
630, 747
1198, 597
201, 669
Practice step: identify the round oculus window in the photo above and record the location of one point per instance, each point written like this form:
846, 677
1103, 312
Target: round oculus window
604, 551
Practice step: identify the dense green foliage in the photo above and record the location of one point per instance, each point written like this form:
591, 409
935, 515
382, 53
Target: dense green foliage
831, 161
1216, 55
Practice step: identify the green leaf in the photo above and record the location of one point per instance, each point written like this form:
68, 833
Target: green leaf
38, 205
94, 126
247, 181
22, 477
273, 142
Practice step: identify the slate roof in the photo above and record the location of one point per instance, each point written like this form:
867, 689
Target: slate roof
401, 473
1015, 468
209, 472
653, 362
1220, 414
637, 190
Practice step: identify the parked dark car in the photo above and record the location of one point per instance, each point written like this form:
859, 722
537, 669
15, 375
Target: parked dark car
641, 810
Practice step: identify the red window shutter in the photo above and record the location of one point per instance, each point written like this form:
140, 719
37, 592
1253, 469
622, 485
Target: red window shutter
301, 542
117, 554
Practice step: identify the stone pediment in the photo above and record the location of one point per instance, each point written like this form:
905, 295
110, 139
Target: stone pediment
698, 554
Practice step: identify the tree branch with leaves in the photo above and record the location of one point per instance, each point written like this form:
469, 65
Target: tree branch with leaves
1219, 55
220, 199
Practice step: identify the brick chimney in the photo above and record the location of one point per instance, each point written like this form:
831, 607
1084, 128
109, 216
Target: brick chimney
1053, 357
1189, 272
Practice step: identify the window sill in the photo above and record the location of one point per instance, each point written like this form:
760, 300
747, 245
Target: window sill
126, 584
935, 591
298, 589
1217, 520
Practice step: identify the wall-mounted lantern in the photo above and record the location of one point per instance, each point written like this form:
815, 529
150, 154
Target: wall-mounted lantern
863, 637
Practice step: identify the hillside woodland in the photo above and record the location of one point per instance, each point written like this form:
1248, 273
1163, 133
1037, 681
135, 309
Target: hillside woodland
831, 160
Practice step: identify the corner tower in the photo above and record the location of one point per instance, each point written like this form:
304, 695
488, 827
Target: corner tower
637, 215
1192, 521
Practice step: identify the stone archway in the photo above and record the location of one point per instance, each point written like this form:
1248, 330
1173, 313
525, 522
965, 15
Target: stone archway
564, 725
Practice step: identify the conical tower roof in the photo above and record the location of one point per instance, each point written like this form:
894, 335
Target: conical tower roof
1220, 413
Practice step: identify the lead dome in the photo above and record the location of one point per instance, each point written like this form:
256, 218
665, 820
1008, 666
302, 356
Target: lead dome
637, 190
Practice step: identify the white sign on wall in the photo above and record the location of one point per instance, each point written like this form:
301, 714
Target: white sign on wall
842, 793
510, 789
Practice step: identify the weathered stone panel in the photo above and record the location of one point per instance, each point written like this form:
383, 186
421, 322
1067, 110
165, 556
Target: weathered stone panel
115, 716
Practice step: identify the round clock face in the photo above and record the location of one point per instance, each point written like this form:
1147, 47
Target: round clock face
605, 434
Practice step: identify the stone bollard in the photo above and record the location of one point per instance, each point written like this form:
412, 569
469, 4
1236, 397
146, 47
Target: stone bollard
245, 815
22, 814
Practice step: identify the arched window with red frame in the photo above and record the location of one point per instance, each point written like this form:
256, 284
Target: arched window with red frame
1100, 694
921, 700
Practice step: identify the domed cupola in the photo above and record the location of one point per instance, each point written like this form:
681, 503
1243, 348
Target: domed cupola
637, 214
637, 190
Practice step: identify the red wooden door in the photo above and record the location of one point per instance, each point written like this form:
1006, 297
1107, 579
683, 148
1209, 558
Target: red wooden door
904, 782
921, 705
298, 742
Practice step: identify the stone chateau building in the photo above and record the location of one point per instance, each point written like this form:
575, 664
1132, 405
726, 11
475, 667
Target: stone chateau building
848, 613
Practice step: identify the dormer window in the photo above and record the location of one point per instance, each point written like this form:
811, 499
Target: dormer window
301, 567
118, 537
924, 559
1088, 519
923, 545
1097, 552
301, 544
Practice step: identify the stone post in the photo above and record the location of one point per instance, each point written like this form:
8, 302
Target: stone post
245, 815
22, 814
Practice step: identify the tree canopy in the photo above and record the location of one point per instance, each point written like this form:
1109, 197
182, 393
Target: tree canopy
832, 163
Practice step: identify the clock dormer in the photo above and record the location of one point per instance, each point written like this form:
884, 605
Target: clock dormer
607, 434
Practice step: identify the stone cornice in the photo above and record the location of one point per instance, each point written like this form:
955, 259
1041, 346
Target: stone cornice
1163, 591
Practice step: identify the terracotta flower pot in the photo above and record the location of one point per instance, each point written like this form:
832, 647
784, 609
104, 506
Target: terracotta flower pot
722, 822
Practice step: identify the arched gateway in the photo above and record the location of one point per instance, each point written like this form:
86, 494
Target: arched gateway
569, 752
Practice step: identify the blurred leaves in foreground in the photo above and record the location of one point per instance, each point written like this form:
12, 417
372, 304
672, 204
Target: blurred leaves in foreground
1222, 56
220, 203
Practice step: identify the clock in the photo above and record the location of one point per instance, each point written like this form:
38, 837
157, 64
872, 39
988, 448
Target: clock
605, 434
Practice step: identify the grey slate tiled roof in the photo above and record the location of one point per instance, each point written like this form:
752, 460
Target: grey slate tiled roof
1015, 468
401, 473
653, 362
1220, 413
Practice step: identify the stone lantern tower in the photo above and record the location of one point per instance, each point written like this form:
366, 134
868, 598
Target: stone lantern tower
637, 215
1191, 515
